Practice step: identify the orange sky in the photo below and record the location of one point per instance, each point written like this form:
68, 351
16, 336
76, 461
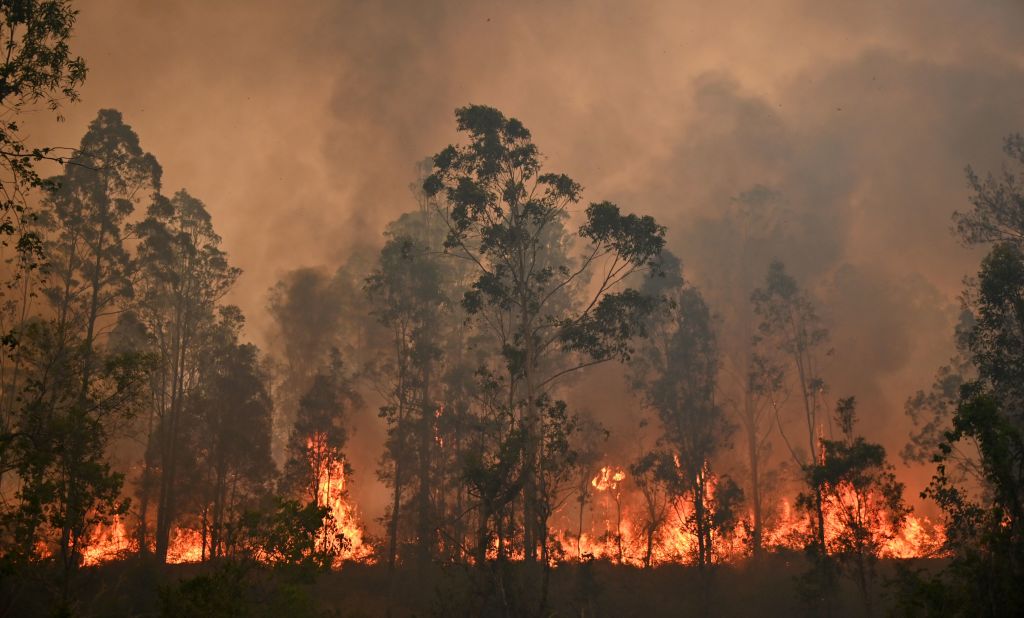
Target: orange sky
298, 123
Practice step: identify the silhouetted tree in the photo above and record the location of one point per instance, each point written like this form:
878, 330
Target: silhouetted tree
790, 323
231, 434
505, 216
183, 274
676, 373
860, 492
406, 292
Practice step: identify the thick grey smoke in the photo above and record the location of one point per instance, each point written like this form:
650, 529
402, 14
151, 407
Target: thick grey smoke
299, 124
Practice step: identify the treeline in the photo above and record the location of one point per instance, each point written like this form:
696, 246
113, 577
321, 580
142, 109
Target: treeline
129, 399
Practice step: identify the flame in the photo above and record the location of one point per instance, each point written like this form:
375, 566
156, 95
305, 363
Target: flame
185, 546
616, 532
107, 542
615, 524
342, 533
608, 478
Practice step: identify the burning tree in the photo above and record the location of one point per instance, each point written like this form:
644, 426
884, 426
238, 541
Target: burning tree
232, 414
406, 291
73, 391
316, 469
652, 475
507, 219
676, 373
861, 498
183, 275
790, 322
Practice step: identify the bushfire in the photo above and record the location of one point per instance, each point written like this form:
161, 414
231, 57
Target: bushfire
618, 530
340, 535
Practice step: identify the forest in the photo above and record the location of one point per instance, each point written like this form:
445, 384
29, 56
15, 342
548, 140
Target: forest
513, 398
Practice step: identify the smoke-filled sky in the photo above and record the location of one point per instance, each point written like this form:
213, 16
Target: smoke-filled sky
299, 123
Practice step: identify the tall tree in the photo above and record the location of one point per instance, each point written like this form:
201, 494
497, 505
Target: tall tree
676, 373
406, 292
37, 67
232, 434
860, 491
321, 430
790, 323
79, 392
507, 217
975, 411
183, 274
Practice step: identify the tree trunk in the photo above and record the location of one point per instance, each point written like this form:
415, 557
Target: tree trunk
424, 516
755, 475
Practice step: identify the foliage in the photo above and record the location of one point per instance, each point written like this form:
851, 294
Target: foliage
38, 66
676, 373
236, 589
859, 489
507, 217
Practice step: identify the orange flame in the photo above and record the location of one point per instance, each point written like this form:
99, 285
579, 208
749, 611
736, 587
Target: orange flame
342, 533
623, 538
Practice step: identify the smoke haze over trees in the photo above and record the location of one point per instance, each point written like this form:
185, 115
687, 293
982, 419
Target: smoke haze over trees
481, 307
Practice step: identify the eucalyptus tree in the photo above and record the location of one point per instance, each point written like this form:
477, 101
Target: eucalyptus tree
406, 292
858, 483
790, 323
969, 423
183, 273
82, 233
86, 222
549, 314
38, 67
231, 434
74, 393
321, 431
652, 473
733, 245
676, 373
985, 519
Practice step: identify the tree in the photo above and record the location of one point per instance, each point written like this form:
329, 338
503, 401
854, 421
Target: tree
652, 473
321, 430
37, 67
406, 292
733, 244
74, 392
972, 418
231, 434
81, 233
183, 274
860, 492
506, 218
589, 449
996, 215
789, 322
677, 374
59, 445
86, 223
986, 529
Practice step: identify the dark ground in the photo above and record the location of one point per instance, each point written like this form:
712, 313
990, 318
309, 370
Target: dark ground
132, 587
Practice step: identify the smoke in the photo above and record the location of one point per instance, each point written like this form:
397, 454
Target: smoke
299, 125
